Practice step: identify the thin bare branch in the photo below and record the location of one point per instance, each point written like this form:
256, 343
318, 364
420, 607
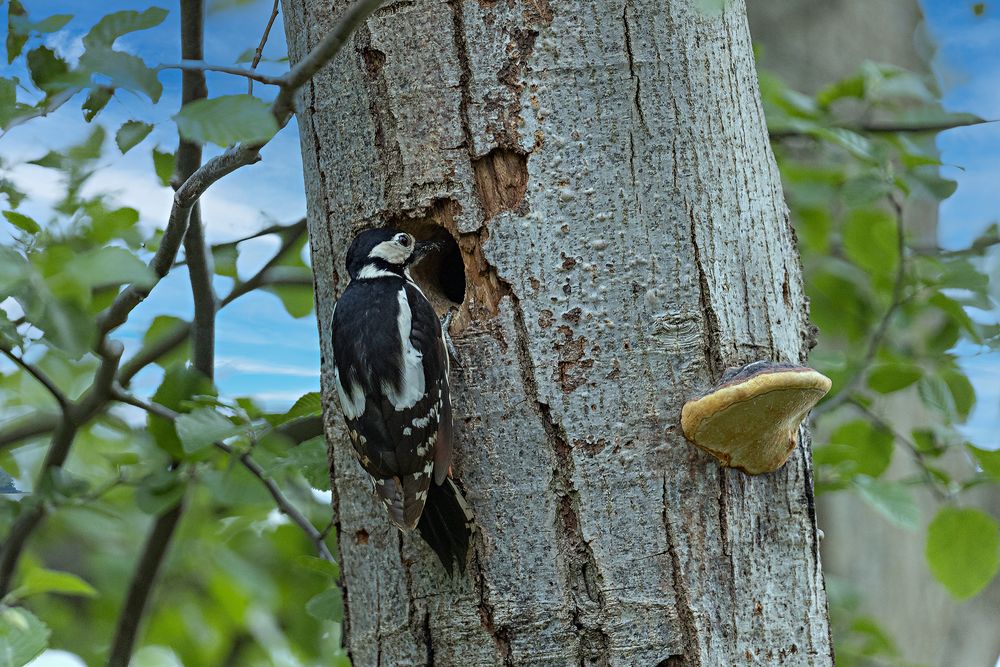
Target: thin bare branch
323, 53
247, 461
886, 128
201, 66
259, 53
875, 342
918, 456
40, 376
291, 237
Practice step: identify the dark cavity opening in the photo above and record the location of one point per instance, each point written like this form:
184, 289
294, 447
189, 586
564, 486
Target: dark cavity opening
441, 272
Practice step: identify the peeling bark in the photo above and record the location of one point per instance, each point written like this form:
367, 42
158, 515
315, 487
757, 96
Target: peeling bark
605, 172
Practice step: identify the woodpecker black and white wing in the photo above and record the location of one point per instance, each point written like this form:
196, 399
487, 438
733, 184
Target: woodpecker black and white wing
392, 383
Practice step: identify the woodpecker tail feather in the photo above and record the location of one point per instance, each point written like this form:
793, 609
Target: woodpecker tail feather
446, 524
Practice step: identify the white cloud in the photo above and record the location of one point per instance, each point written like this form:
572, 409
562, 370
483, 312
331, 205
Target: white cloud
243, 365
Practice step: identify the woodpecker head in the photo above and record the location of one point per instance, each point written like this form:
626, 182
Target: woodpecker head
377, 253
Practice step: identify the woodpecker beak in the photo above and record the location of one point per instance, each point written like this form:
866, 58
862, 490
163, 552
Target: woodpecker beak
421, 249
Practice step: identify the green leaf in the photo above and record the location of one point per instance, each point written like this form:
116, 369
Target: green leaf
308, 405
930, 180
224, 258
297, 299
117, 24
956, 312
866, 188
163, 164
51, 73
179, 384
894, 501
319, 565
987, 459
935, 393
22, 222
106, 224
870, 240
109, 266
130, 134
236, 487
890, 377
90, 148
15, 38
201, 428
40, 580
159, 492
124, 70
858, 448
164, 326
22, 636
66, 326
227, 120
963, 394
52, 23
963, 550
327, 606
310, 459
97, 99
19, 24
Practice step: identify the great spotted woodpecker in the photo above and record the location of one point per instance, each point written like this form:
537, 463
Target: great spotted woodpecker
391, 375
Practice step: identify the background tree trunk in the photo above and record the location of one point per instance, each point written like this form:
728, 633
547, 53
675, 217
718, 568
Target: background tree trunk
811, 45
606, 172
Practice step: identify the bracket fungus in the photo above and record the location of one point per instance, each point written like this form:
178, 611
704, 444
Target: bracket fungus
750, 420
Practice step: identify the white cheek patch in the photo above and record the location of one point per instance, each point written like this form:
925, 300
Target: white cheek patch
411, 385
391, 252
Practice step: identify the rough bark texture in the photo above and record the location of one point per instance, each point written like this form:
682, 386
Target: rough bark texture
605, 171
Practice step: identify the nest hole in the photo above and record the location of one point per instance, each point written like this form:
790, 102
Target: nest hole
441, 273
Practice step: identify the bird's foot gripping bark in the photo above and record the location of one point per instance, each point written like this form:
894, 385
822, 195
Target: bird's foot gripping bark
445, 326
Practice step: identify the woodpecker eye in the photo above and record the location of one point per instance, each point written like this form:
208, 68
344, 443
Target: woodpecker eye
403, 240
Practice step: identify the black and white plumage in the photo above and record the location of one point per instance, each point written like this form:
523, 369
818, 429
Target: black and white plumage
391, 376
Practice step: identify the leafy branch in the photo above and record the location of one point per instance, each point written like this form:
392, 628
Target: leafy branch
878, 336
286, 506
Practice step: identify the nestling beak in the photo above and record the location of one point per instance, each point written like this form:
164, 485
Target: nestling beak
420, 250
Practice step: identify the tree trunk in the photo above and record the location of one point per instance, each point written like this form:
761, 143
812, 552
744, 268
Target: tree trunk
606, 173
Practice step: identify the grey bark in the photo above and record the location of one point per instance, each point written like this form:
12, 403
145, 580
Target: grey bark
606, 172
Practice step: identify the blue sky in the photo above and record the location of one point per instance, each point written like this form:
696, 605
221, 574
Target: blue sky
967, 63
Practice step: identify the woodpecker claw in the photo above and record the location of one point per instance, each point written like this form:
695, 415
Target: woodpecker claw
452, 352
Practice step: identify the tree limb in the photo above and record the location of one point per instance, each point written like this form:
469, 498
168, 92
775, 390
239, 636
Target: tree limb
143, 579
201, 66
39, 423
193, 88
247, 461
